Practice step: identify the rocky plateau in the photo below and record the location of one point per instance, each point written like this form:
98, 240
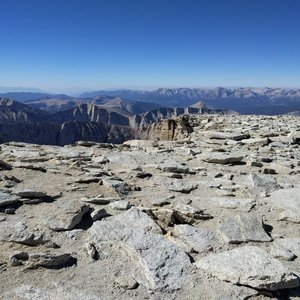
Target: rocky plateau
204, 207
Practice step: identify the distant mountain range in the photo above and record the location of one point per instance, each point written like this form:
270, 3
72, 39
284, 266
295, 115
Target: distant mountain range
270, 101
31, 96
102, 119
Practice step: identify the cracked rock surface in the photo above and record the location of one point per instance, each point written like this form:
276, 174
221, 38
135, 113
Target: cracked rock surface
212, 215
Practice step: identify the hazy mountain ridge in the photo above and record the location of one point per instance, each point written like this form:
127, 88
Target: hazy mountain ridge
110, 103
16, 112
243, 100
31, 96
268, 101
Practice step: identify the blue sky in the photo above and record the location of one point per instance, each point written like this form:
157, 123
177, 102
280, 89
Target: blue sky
72, 45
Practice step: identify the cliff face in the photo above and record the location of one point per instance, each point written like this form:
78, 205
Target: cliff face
168, 130
22, 123
89, 113
66, 133
15, 112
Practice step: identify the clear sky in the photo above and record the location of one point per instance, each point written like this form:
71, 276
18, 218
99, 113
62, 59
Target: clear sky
64, 45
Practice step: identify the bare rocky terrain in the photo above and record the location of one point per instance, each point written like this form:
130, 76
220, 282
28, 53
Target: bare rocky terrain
206, 209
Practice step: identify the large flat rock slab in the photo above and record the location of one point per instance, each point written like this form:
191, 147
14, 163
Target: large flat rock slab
239, 204
222, 158
262, 185
236, 136
197, 240
243, 227
65, 214
162, 264
287, 201
250, 266
15, 230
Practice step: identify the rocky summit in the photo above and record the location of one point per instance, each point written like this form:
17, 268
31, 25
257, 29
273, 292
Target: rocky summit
206, 209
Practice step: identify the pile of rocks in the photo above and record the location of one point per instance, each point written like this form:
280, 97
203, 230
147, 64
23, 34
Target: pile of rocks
214, 215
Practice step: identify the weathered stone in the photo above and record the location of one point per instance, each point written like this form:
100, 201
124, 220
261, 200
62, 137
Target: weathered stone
162, 264
10, 210
31, 194
286, 248
73, 234
173, 167
91, 250
161, 201
165, 216
14, 230
281, 252
47, 260
262, 186
101, 200
120, 205
295, 135
222, 158
268, 170
100, 160
287, 201
88, 179
120, 187
250, 266
197, 240
126, 282
243, 227
135, 218
4, 165
188, 214
184, 188
99, 214
30, 166
143, 175
18, 258
236, 136
65, 215
53, 291
7, 199
242, 204
256, 142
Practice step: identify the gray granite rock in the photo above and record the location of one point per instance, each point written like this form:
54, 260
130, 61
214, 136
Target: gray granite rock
250, 266
120, 205
240, 204
100, 200
287, 201
7, 199
236, 136
14, 230
262, 185
188, 214
134, 218
162, 265
65, 214
184, 188
47, 260
197, 240
277, 250
31, 194
243, 227
222, 158
120, 187
286, 248
99, 214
